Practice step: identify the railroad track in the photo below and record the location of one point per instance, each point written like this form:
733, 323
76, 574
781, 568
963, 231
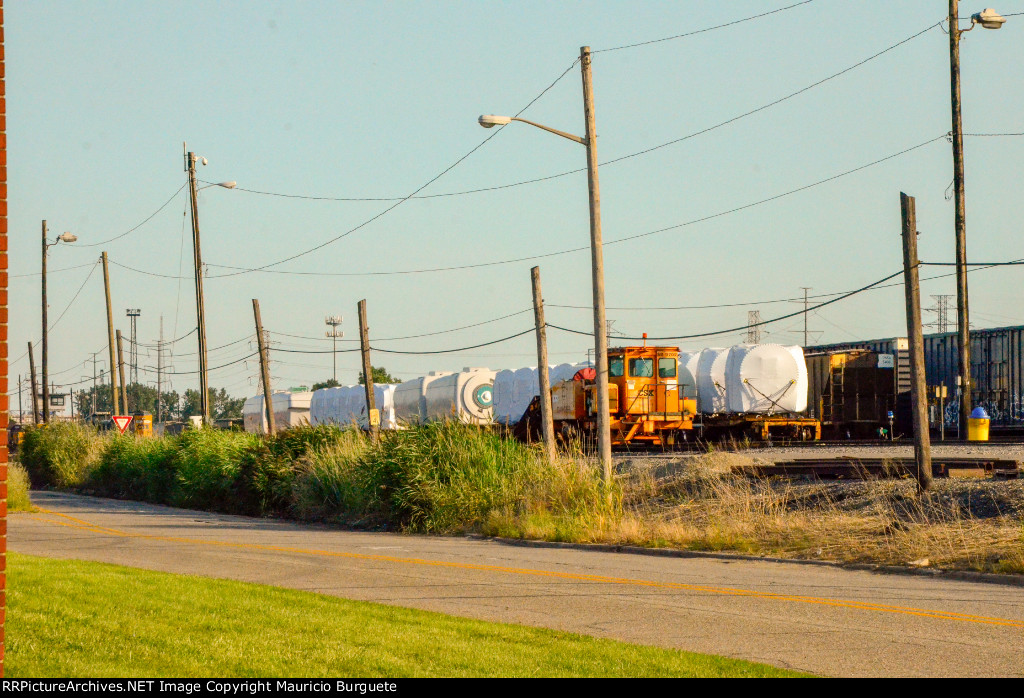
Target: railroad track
810, 446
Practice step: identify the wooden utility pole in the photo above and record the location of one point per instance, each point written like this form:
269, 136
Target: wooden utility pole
960, 220
268, 399
120, 371
46, 372
204, 398
35, 388
115, 404
915, 334
604, 434
547, 424
372, 416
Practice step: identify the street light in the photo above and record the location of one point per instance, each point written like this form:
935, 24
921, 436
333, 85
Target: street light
66, 238
190, 167
989, 19
597, 254
334, 321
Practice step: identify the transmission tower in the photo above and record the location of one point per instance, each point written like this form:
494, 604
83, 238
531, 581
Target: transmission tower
334, 322
941, 310
133, 351
753, 327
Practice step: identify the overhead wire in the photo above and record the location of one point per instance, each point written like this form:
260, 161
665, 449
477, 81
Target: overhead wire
417, 336
136, 227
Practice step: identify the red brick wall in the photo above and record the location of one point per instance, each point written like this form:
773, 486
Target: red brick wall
4, 399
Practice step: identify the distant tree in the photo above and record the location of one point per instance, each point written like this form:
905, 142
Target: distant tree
222, 405
380, 376
329, 383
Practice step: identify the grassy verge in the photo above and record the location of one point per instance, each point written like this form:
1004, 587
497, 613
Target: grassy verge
700, 504
450, 478
69, 618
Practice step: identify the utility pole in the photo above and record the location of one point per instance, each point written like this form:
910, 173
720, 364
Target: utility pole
268, 399
120, 371
35, 388
915, 335
204, 398
372, 416
21, 413
604, 435
805, 289
334, 321
46, 373
115, 405
547, 424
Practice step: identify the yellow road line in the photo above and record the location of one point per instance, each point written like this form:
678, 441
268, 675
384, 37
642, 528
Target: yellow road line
72, 522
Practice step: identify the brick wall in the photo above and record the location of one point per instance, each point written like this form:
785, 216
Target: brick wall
4, 399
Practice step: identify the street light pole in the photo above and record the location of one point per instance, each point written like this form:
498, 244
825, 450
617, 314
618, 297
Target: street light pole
989, 20
604, 438
334, 321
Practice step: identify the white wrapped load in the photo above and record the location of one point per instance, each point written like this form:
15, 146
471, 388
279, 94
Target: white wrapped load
410, 398
766, 379
466, 396
564, 372
346, 405
504, 396
291, 409
711, 380
527, 386
688, 361
254, 417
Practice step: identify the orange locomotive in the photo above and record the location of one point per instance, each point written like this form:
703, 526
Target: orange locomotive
645, 399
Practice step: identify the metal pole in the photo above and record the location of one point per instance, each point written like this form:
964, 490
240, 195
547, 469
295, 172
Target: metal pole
160, 373
21, 413
115, 405
604, 436
204, 402
371, 400
547, 424
46, 372
268, 399
915, 335
120, 371
960, 221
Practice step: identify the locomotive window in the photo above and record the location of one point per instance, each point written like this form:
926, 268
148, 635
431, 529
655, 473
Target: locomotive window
615, 367
641, 368
666, 368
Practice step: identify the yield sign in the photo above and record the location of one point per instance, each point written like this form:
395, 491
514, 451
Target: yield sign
122, 422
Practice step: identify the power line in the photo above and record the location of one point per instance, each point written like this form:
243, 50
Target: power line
425, 334
580, 249
623, 157
749, 325
133, 229
452, 351
702, 31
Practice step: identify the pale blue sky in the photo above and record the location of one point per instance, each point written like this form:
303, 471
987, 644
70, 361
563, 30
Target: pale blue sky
372, 100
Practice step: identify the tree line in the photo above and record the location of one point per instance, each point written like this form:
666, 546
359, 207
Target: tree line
173, 405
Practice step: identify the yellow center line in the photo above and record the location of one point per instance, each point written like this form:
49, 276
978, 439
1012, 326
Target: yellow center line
64, 519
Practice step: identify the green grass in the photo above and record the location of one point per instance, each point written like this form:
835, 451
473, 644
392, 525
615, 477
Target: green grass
68, 618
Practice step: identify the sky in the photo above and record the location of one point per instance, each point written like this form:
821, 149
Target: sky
349, 107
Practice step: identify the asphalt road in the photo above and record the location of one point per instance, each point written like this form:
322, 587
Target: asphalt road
813, 618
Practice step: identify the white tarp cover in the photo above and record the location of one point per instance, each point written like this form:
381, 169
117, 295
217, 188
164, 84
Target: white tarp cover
346, 404
291, 409
766, 378
410, 399
711, 380
254, 417
504, 396
688, 372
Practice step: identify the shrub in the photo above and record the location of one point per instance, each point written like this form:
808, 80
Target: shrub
133, 468
17, 488
207, 464
60, 454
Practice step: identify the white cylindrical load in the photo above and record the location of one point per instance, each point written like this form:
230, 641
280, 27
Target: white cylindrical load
563, 372
766, 379
346, 406
291, 409
254, 416
410, 398
711, 387
688, 373
504, 396
467, 396
527, 386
